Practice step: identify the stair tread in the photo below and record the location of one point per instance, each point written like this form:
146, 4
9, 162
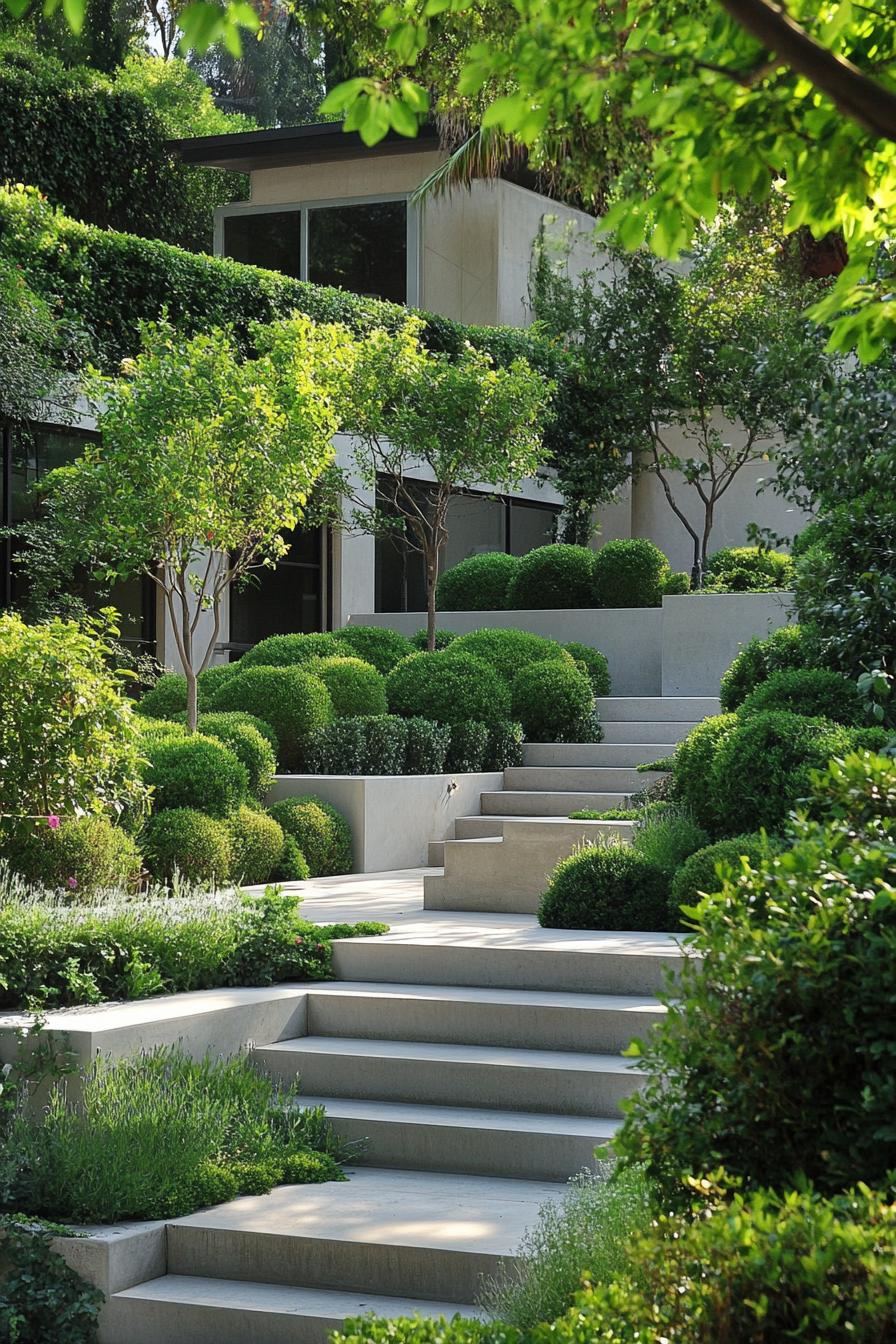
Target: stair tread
466, 1117
539, 998
438, 1052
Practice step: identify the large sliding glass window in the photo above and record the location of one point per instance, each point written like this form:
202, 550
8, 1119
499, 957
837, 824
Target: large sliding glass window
364, 247
282, 601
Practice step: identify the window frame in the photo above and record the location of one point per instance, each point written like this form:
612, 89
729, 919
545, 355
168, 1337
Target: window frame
413, 249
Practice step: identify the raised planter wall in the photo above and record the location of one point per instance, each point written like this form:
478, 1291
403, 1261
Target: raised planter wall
394, 817
681, 648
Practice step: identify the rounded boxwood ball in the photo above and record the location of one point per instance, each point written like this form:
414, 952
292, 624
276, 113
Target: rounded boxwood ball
595, 663
693, 764
748, 569
83, 856
322, 834
553, 576
420, 639
251, 748
208, 681
812, 691
166, 698
697, 875
607, 886
292, 866
630, 573
758, 659
448, 687
479, 583
189, 843
356, 688
379, 646
508, 651
290, 699
194, 771
256, 845
551, 700
289, 651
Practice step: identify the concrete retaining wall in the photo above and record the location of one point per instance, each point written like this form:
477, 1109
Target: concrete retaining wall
702, 634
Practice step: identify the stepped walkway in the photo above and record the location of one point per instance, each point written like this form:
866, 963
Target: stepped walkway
478, 1054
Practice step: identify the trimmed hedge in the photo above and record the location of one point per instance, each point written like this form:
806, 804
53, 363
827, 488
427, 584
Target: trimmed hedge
468, 747
291, 700
629, 573
596, 665
420, 639
380, 647
811, 691
552, 700
385, 745
783, 649
84, 855
356, 688
290, 651
427, 746
167, 698
479, 583
553, 576
208, 681
249, 744
183, 841
508, 651
256, 845
505, 745
448, 687
748, 569
321, 833
606, 886
699, 874
693, 763
195, 771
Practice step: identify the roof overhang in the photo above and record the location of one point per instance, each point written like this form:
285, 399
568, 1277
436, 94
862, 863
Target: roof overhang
287, 146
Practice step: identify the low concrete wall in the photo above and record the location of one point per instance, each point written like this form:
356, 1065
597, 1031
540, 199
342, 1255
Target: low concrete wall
631, 638
394, 817
703, 633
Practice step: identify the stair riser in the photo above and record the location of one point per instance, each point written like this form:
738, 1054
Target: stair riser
625, 731
440, 1082
310, 1262
482, 896
577, 779
535, 1027
596, 755
656, 708
477, 828
512, 803
131, 1321
514, 968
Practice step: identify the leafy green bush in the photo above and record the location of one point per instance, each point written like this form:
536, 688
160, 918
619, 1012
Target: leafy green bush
321, 833
159, 1136
749, 1269
781, 651
43, 1298
290, 651
338, 748
764, 765
379, 646
420, 639
666, 838
550, 700
553, 576
468, 747
256, 845
776, 1055
356, 688
448, 687
693, 762
183, 842
595, 663
427, 746
606, 886
812, 691
250, 745
699, 874
479, 583
292, 866
629, 573
748, 569
209, 680
385, 745
676, 584
166, 698
82, 855
195, 771
508, 651
290, 699
505, 745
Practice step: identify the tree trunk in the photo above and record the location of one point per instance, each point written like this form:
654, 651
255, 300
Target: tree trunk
432, 578
192, 699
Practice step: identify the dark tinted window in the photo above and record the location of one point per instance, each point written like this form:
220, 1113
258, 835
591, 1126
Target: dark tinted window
362, 248
281, 601
271, 239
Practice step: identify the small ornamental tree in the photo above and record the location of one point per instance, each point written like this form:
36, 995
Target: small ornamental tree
205, 459
417, 417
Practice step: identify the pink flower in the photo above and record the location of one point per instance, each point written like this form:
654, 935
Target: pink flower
53, 822
299, 941
73, 884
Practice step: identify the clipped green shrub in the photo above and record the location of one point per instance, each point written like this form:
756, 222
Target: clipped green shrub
629, 573
676, 584
693, 763
468, 748
194, 771
699, 874
321, 833
508, 651
505, 745
550, 700
420, 639
166, 698
249, 745
748, 569
290, 699
208, 681
188, 843
479, 583
555, 576
606, 886
290, 651
379, 646
595, 665
256, 845
782, 650
292, 866
385, 745
82, 856
356, 688
764, 765
666, 838
448, 687
427, 746
812, 691
338, 748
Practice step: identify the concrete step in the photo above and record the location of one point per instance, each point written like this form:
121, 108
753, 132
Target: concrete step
606, 754
524, 1145
184, 1309
482, 1076
642, 730
509, 952
656, 707
552, 802
488, 827
410, 1234
525, 1018
576, 779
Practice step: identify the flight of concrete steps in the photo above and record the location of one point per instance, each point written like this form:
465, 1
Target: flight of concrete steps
480, 1057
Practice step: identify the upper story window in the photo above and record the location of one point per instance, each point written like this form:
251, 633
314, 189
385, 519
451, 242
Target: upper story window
367, 247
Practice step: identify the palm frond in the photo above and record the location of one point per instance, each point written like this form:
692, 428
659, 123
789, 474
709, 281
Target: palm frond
481, 155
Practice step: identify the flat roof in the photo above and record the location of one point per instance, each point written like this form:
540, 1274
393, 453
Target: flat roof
288, 145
